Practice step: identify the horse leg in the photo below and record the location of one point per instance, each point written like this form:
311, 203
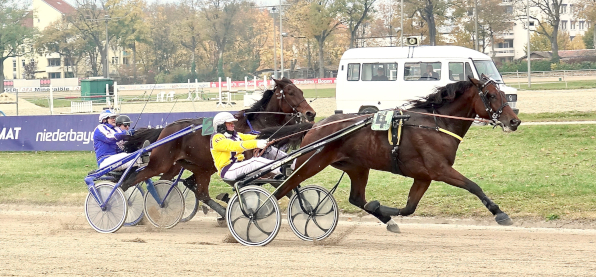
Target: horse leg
454, 178
359, 179
201, 181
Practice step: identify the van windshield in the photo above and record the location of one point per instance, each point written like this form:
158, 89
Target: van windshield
488, 68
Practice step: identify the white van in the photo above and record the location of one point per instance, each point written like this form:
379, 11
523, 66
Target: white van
375, 78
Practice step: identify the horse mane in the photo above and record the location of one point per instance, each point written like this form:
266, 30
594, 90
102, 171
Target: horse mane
442, 96
260, 105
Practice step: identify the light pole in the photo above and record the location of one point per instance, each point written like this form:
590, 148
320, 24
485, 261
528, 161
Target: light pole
401, 35
106, 73
281, 41
529, 50
476, 25
274, 45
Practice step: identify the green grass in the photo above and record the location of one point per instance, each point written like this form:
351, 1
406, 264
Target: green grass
539, 172
558, 116
320, 93
45, 102
556, 85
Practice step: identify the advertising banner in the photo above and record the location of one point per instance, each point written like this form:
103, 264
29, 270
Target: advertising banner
69, 132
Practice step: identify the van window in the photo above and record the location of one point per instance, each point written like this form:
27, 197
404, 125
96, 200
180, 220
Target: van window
488, 68
353, 72
379, 72
456, 72
422, 71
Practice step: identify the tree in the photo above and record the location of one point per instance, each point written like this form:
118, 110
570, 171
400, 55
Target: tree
540, 42
30, 69
548, 24
221, 26
587, 10
352, 13
14, 34
133, 28
589, 38
433, 12
61, 37
316, 20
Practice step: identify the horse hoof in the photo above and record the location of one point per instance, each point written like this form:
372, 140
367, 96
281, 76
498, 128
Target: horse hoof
205, 209
503, 219
224, 197
392, 227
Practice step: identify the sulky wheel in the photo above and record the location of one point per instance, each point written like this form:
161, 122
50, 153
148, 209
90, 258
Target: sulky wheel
317, 217
168, 214
191, 204
136, 204
257, 222
112, 216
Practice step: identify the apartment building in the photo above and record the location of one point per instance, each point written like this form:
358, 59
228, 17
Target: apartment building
53, 66
514, 41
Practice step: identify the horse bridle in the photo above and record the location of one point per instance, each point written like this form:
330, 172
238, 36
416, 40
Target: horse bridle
282, 96
483, 92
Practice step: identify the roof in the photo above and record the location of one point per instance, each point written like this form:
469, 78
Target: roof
28, 20
563, 54
443, 51
60, 5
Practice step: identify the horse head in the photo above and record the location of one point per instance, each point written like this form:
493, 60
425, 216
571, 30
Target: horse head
491, 104
291, 99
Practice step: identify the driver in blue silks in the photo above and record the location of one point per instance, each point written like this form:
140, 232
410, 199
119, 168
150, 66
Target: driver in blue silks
106, 140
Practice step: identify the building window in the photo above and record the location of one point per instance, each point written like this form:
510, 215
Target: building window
14, 65
23, 62
125, 60
509, 9
353, 72
54, 62
55, 75
508, 43
114, 60
581, 25
571, 9
470, 11
564, 25
422, 71
564, 8
379, 72
572, 25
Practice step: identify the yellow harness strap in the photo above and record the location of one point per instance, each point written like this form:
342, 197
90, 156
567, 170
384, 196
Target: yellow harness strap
401, 123
451, 134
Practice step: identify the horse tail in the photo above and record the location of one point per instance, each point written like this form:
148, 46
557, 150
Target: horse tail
135, 142
280, 132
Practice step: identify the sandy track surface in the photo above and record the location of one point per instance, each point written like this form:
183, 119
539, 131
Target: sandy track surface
56, 240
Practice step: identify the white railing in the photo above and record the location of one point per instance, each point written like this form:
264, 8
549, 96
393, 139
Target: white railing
81, 107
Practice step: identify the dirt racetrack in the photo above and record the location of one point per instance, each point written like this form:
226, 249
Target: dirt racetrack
56, 240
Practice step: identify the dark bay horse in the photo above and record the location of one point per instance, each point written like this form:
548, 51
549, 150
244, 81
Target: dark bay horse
278, 106
424, 154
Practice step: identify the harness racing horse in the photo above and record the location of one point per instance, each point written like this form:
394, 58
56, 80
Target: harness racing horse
192, 152
424, 154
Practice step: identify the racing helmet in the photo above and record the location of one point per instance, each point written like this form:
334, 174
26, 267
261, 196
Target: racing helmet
221, 119
106, 114
122, 119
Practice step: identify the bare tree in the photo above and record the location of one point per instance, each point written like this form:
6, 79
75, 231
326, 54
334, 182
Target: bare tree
353, 13
548, 19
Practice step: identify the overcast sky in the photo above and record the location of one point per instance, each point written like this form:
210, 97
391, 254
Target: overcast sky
258, 2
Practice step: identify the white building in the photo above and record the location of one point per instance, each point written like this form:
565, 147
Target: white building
515, 40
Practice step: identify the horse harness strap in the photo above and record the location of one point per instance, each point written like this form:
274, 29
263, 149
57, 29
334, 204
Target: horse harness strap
394, 136
438, 129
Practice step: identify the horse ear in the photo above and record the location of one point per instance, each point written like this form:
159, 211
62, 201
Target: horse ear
473, 80
277, 82
483, 77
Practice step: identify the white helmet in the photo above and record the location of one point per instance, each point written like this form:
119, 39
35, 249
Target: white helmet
106, 114
222, 118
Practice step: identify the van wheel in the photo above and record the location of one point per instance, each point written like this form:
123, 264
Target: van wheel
369, 110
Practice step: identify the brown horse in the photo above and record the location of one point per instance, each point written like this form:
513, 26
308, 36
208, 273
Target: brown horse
424, 154
278, 106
